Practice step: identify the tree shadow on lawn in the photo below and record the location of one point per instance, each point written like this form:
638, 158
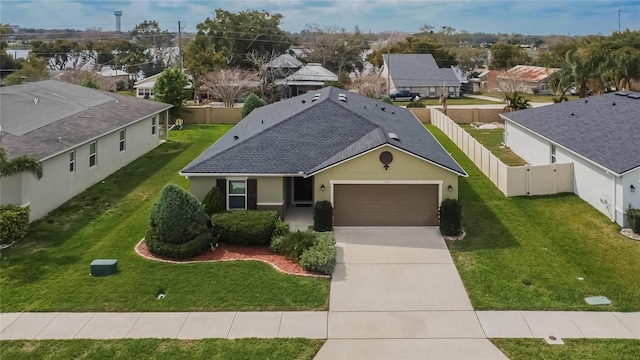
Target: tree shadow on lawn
25, 261
484, 230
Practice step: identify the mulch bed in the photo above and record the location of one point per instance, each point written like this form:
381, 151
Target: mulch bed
225, 252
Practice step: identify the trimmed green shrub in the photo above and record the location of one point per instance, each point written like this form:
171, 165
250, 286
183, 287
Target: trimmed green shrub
633, 218
320, 257
323, 216
387, 100
450, 217
251, 103
415, 104
214, 201
14, 223
177, 217
185, 250
245, 227
292, 245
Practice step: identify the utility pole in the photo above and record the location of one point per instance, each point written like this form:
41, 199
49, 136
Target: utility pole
619, 20
180, 47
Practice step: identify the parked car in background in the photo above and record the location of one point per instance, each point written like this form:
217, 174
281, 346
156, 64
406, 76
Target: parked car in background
404, 95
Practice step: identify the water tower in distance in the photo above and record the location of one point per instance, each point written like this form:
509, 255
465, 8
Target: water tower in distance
118, 15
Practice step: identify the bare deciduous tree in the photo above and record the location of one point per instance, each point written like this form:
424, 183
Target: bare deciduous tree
370, 84
268, 88
229, 84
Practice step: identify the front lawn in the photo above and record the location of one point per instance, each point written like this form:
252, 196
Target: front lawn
492, 140
139, 349
583, 349
527, 253
538, 98
49, 270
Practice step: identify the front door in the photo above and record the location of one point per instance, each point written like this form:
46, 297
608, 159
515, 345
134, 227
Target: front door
302, 190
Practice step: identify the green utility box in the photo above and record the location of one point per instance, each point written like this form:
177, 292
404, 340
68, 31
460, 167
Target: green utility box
104, 267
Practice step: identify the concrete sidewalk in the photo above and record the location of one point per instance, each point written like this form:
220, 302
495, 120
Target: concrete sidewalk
314, 324
184, 325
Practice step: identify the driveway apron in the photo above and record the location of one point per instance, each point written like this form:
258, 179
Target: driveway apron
396, 294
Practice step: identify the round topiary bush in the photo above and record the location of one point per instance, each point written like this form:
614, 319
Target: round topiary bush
214, 201
179, 225
251, 103
450, 217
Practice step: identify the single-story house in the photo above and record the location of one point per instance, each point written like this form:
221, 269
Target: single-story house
526, 79
419, 73
80, 135
283, 66
144, 87
599, 134
375, 162
310, 77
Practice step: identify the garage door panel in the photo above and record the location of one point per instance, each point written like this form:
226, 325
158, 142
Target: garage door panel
385, 205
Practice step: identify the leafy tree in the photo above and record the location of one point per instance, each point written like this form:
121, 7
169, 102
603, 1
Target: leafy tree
416, 45
230, 36
251, 103
7, 62
33, 69
505, 56
169, 88
622, 66
15, 78
19, 164
515, 101
469, 58
156, 43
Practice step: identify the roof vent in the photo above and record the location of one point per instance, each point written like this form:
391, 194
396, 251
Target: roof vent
303, 101
383, 108
342, 97
394, 136
614, 104
59, 139
315, 97
35, 100
235, 137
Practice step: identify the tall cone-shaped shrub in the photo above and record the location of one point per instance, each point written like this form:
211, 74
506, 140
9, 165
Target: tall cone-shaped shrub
177, 217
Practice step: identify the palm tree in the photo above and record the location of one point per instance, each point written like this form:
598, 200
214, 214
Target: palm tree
17, 165
515, 101
577, 71
622, 67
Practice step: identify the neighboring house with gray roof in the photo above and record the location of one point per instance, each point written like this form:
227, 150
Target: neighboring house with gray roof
310, 77
598, 134
80, 135
375, 162
419, 73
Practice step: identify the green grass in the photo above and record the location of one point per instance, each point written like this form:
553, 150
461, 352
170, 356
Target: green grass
582, 349
139, 349
492, 140
526, 253
130, 92
49, 270
450, 101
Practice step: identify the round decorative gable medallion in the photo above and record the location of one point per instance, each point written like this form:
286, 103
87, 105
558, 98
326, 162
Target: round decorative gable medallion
386, 158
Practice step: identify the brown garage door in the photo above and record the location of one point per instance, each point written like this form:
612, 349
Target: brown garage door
385, 205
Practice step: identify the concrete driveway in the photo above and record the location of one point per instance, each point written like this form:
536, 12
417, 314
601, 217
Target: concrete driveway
396, 293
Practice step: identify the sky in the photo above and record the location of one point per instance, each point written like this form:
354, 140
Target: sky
540, 17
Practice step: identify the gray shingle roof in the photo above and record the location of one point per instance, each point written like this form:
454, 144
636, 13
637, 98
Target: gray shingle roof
604, 129
301, 135
73, 113
417, 70
284, 61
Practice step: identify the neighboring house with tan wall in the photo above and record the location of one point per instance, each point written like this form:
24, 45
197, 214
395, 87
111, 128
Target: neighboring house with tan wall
526, 79
80, 135
598, 134
376, 163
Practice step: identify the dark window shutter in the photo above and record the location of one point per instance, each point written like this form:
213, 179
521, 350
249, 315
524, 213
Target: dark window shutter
222, 185
252, 194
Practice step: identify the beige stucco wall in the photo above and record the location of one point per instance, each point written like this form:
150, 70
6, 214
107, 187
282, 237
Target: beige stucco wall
58, 184
368, 167
270, 188
211, 115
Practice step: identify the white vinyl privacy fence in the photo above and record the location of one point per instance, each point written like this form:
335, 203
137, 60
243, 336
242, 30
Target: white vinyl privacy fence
511, 180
